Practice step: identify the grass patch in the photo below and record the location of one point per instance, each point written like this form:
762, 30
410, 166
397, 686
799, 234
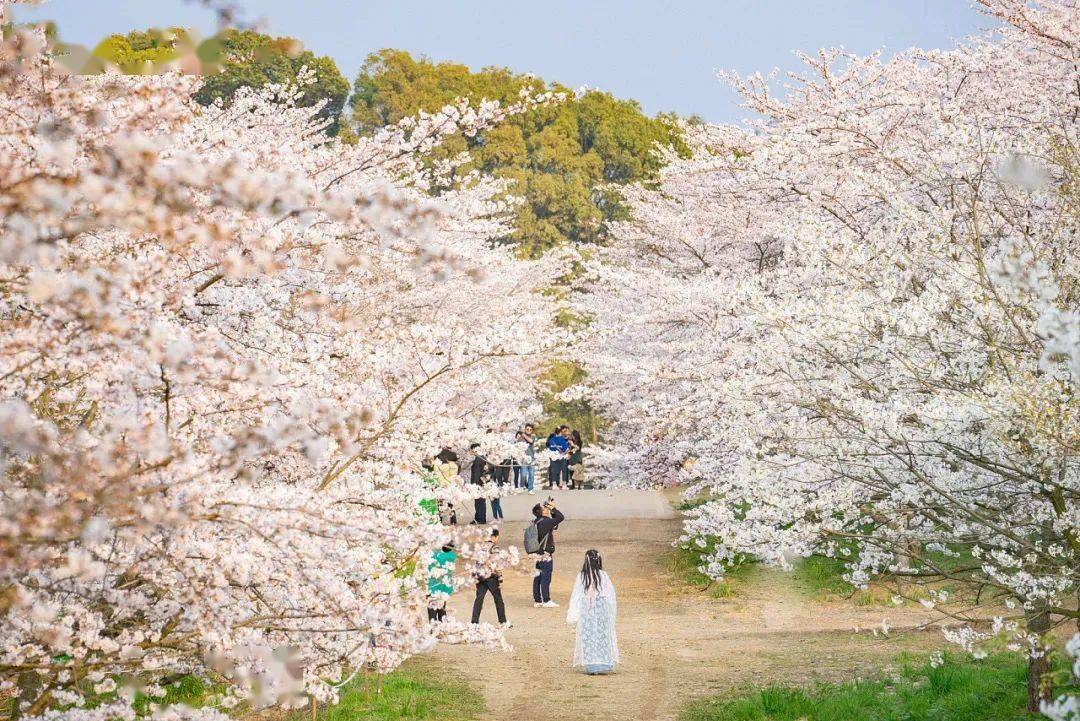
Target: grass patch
689, 504
187, 689
404, 695
823, 576
960, 690
407, 693
687, 560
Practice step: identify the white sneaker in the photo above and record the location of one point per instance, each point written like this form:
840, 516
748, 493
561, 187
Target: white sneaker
537, 605
532, 493
508, 625
550, 604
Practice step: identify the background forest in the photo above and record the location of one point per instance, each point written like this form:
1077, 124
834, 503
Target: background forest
566, 161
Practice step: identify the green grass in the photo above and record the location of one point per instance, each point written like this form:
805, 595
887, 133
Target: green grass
186, 689
960, 690
823, 578
407, 693
821, 575
684, 566
688, 504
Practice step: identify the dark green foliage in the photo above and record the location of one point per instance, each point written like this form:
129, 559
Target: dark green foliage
960, 690
253, 59
560, 158
244, 58
577, 414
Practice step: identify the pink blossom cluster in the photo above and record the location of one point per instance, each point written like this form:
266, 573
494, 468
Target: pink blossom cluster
852, 324
228, 343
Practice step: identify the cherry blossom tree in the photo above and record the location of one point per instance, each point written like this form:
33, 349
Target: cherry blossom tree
850, 323
229, 342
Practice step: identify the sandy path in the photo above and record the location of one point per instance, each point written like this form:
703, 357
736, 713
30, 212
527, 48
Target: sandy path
675, 644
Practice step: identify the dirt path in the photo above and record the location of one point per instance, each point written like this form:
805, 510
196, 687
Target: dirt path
676, 644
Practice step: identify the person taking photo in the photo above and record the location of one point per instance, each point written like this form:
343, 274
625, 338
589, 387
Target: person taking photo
547, 519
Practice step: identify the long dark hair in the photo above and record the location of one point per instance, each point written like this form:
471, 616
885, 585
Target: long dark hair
590, 571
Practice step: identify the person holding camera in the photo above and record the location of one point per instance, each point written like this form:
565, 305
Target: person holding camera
487, 573
547, 519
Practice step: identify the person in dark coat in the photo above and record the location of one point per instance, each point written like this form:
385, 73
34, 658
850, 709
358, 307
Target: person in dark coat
478, 477
548, 518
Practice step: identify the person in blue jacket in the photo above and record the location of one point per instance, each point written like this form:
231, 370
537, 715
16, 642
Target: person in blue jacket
558, 444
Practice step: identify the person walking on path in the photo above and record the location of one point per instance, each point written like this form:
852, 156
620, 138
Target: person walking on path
488, 575
547, 519
558, 445
478, 477
528, 462
440, 581
592, 610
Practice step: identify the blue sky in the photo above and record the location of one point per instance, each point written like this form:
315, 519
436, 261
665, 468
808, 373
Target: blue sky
663, 53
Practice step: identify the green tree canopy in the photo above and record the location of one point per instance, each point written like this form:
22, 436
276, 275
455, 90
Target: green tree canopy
253, 59
246, 58
560, 158
137, 50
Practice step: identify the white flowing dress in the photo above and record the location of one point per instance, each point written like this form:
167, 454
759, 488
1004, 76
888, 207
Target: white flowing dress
593, 612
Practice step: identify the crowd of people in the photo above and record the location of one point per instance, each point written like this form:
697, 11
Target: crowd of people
591, 607
515, 468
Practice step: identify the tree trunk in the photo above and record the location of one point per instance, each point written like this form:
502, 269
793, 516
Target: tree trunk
1039, 687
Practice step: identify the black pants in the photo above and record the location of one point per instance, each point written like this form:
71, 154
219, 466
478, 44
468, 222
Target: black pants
542, 581
437, 614
492, 584
480, 510
558, 472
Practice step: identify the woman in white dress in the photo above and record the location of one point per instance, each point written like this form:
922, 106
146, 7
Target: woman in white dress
592, 611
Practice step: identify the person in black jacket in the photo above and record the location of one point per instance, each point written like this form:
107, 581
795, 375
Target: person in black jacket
477, 476
488, 577
574, 462
548, 518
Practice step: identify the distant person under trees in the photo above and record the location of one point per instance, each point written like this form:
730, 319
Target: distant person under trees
446, 471
440, 581
478, 477
528, 462
575, 471
558, 445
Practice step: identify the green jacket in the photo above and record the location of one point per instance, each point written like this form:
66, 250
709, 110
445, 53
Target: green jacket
441, 572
